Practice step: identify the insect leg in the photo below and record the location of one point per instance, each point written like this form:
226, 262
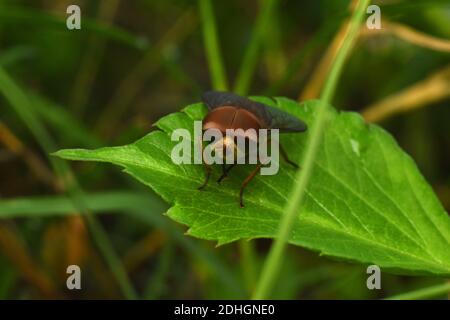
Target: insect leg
246, 182
286, 158
207, 171
225, 171
208, 174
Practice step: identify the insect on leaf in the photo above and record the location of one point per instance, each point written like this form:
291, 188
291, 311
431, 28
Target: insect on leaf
366, 200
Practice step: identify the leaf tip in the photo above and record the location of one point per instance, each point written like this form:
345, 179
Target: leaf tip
60, 153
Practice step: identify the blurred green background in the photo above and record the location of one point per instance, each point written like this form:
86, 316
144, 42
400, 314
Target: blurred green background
134, 61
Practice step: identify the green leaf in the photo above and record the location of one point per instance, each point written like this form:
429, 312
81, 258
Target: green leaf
366, 200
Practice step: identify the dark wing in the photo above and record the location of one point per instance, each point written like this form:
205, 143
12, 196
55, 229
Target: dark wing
272, 117
284, 121
215, 99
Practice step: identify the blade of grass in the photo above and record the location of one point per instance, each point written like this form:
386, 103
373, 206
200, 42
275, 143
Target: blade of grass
65, 124
34, 162
430, 292
274, 258
134, 81
70, 130
19, 255
144, 249
50, 206
316, 82
410, 35
219, 82
299, 60
140, 205
251, 55
274, 56
212, 48
91, 60
173, 68
155, 284
249, 263
8, 278
16, 55
435, 87
35, 17
21, 104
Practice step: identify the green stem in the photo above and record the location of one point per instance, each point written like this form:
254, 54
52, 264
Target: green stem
104, 245
212, 47
219, 82
135, 80
273, 261
20, 102
429, 292
156, 283
298, 61
248, 263
92, 57
251, 55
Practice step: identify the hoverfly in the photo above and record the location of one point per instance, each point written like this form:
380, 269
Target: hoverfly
230, 111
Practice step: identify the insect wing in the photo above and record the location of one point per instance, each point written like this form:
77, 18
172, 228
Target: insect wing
285, 122
275, 118
272, 117
216, 99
